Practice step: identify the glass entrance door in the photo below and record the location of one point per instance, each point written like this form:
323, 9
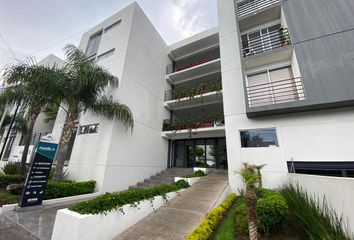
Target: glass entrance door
209, 152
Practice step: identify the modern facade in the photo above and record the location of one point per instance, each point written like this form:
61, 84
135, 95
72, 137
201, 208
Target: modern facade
271, 84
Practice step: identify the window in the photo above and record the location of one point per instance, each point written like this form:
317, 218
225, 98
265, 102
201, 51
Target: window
88, 129
332, 169
105, 55
259, 138
114, 25
273, 86
93, 44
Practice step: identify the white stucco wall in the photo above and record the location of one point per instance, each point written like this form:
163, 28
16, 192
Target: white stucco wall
113, 157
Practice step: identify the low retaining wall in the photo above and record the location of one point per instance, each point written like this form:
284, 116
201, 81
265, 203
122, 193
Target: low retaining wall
190, 181
205, 170
74, 226
339, 193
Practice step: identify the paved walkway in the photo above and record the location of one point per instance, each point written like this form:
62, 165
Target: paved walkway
36, 224
182, 214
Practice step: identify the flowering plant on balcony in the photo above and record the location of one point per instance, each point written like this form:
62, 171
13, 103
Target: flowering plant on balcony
203, 88
207, 121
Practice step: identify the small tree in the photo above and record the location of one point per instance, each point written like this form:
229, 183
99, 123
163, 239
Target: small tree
251, 179
32, 87
82, 90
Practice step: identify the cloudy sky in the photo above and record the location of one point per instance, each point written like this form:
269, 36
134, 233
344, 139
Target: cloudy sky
41, 27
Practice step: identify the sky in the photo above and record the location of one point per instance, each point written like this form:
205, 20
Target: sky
41, 27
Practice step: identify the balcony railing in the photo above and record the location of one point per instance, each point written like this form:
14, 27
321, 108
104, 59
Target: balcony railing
212, 120
193, 61
253, 6
266, 42
191, 92
280, 91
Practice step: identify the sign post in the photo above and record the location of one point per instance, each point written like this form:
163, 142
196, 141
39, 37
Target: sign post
38, 175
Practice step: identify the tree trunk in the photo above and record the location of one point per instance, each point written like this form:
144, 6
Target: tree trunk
65, 139
28, 138
251, 202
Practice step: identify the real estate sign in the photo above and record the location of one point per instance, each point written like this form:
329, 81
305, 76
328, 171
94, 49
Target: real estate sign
37, 177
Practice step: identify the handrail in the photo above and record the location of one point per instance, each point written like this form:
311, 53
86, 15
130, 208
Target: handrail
279, 91
267, 42
253, 6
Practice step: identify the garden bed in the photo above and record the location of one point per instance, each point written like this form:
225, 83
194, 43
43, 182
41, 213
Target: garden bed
111, 213
8, 198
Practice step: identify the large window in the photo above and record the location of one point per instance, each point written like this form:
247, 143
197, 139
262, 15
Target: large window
273, 86
93, 44
259, 138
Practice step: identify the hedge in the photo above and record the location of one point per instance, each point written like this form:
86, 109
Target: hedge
68, 188
114, 201
208, 226
198, 173
10, 179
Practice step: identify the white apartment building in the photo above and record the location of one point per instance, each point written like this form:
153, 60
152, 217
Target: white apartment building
271, 84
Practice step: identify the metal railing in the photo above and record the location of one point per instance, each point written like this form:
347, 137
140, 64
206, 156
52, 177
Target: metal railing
280, 91
210, 86
247, 7
193, 61
266, 42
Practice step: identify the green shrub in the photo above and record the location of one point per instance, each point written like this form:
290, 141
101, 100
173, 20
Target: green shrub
198, 173
201, 165
114, 201
11, 168
241, 220
208, 226
271, 210
262, 192
316, 218
10, 179
67, 188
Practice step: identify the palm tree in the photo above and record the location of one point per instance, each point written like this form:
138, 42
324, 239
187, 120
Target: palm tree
251, 178
30, 86
259, 168
83, 89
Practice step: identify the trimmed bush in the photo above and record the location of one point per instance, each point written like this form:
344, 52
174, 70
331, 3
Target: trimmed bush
114, 201
272, 209
11, 168
208, 226
198, 173
262, 192
10, 179
67, 189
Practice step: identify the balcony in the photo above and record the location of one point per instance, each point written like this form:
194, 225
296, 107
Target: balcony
252, 7
260, 42
275, 92
211, 125
194, 61
204, 93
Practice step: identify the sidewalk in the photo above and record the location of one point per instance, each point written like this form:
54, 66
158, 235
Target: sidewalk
182, 214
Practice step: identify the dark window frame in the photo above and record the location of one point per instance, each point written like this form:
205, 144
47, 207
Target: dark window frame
276, 140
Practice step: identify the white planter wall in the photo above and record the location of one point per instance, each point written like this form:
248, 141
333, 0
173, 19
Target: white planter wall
339, 193
74, 226
205, 170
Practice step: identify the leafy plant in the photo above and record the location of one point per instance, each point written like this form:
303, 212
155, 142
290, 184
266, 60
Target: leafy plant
251, 179
272, 210
198, 173
317, 219
82, 89
68, 188
10, 179
241, 219
114, 201
11, 168
32, 87
206, 229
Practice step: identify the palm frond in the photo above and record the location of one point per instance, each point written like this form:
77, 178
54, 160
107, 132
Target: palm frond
51, 111
113, 109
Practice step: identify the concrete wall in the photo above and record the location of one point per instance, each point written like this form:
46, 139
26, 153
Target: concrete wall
116, 158
319, 187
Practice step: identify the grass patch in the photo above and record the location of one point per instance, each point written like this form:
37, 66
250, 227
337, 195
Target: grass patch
226, 229
8, 198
